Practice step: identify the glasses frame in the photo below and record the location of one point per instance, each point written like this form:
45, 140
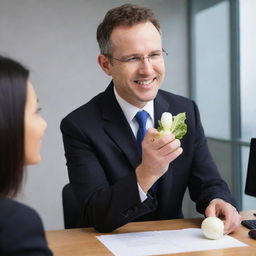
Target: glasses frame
140, 58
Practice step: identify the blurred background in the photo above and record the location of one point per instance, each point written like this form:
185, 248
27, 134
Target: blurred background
212, 52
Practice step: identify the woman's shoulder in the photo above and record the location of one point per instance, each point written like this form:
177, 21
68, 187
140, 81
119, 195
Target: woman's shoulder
12, 209
21, 230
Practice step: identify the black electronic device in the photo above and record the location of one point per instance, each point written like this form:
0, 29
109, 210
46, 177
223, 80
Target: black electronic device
250, 224
252, 234
250, 184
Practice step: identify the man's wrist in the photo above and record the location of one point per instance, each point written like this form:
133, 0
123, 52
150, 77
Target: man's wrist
145, 182
215, 200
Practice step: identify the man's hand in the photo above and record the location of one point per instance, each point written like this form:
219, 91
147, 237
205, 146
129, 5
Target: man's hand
157, 154
226, 212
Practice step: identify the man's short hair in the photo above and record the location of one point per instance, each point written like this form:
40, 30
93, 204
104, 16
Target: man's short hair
127, 15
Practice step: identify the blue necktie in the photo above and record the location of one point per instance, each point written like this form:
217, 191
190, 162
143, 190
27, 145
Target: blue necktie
141, 118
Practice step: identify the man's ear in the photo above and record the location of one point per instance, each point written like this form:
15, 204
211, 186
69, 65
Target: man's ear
105, 64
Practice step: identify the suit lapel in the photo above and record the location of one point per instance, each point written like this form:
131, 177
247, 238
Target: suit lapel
160, 106
116, 126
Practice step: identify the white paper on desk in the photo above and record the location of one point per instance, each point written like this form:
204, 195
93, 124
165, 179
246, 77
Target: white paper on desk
163, 242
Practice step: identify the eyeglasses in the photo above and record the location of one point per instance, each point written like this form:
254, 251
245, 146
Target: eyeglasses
153, 58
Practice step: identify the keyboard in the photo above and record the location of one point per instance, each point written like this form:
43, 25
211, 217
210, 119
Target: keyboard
251, 224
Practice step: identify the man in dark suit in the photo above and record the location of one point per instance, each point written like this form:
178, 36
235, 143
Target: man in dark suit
112, 179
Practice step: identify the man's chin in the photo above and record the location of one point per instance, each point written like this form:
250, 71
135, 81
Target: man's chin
148, 98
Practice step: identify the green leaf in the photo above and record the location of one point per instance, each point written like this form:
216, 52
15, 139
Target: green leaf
178, 128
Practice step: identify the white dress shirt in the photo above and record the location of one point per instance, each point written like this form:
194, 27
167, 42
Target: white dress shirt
130, 111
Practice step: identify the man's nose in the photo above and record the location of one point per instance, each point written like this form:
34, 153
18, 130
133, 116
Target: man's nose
145, 65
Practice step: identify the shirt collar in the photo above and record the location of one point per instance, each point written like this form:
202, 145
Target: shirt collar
130, 111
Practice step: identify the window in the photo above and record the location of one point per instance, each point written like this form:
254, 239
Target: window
223, 83
248, 86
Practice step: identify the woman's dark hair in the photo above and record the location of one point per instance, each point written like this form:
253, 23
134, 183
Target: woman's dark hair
13, 91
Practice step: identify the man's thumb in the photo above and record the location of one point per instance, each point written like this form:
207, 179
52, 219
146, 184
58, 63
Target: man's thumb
210, 211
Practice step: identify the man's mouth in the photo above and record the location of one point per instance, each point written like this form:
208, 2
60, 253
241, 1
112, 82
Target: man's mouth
147, 82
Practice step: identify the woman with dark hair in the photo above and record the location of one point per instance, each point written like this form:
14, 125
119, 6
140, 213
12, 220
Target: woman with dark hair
21, 131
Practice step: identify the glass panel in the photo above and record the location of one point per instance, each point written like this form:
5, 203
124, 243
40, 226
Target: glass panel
248, 70
249, 202
222, 154
212, 66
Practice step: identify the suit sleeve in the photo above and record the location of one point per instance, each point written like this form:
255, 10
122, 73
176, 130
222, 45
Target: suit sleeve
108, 201
205, 183
22, 232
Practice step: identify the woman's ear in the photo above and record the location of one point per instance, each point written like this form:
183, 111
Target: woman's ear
105, 64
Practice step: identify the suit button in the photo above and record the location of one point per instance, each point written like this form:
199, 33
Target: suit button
127, 213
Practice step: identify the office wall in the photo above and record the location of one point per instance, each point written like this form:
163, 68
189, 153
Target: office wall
56, 40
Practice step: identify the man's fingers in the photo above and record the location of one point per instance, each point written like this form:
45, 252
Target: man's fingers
228, 224
170, 147
210, 211
232, 222
151, 135
175, 153
226, 212
162, 142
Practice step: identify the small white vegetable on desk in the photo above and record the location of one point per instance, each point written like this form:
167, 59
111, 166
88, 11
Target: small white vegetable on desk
213, 228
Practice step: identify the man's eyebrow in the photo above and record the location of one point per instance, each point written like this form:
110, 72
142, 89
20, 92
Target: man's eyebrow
137, 54
130, 55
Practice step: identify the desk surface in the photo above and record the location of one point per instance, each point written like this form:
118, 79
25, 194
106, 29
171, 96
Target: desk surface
76, 242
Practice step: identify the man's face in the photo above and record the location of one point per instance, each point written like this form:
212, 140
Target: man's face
137, 82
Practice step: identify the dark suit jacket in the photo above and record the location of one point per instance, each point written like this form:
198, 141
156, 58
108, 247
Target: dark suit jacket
102, 156
21, 231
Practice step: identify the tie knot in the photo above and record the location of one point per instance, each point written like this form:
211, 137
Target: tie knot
141, 118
